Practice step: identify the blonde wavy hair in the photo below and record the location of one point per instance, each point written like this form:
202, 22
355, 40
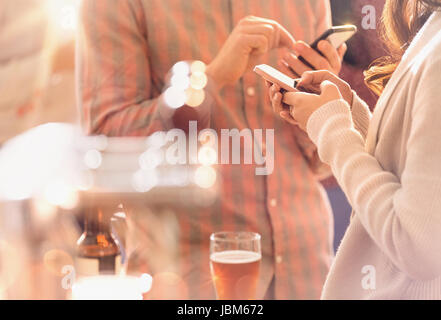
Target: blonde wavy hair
400, 23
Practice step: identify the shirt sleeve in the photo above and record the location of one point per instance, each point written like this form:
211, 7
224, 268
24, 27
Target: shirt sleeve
324, 16
401, 214
116, 91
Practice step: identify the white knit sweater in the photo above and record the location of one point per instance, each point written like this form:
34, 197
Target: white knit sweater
389, 167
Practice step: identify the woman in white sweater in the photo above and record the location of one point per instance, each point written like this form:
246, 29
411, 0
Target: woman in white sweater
388, 163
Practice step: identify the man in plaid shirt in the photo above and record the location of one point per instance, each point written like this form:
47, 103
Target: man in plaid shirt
126, 52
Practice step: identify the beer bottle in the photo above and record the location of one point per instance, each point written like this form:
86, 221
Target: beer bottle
98, 250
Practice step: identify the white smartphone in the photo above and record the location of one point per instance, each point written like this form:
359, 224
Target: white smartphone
276, 77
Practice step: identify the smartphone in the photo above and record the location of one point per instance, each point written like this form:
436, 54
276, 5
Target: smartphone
336, 36
276, 77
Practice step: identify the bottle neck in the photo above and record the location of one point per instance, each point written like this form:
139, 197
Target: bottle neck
97, 221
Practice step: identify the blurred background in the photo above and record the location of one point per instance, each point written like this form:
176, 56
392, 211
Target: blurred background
37, 73
37, 76
37, 42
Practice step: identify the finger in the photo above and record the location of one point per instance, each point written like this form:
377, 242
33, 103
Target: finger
295, 98
285, 38
285, 115
264, 29
270, 91
273, 92
256, 25
277, 103
283, 66
256, 42
274, 89
282, 36
342, 51
330, 53
330, 90
309, 88
316, 77
298, 113
314, 58
295, 64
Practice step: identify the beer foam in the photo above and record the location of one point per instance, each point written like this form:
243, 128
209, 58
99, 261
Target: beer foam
235, 257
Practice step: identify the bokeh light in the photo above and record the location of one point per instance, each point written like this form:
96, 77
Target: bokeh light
174, 97
181, 68
144, 180
151, 159
109, 288
205, 177
44, 210
198, 66
198, 80
63, 15
157, 139
207, 156
93, 159
59, 193
179, 81
194, 97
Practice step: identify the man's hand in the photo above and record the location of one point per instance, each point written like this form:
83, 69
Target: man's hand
330, 58
252, 38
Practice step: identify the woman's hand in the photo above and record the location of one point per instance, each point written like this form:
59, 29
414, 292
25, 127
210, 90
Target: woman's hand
311, 81
276, 98
303, 105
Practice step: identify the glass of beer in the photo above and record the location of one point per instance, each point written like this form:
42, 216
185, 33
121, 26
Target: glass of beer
235, 264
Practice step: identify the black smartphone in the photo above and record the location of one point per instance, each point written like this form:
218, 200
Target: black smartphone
336, 36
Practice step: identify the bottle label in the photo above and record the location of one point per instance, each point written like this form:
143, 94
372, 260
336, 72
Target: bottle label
85, 267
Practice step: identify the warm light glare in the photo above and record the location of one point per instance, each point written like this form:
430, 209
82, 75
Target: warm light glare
64, 14
156, 140
207, 156
194, 97
60, 194
144, 180
44, 209
151, 159
84, 180
198, 66
181, 68
174, 97
205, 177
176, 177
111, 288
198, 80
179, 81
93, 159
145, 282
